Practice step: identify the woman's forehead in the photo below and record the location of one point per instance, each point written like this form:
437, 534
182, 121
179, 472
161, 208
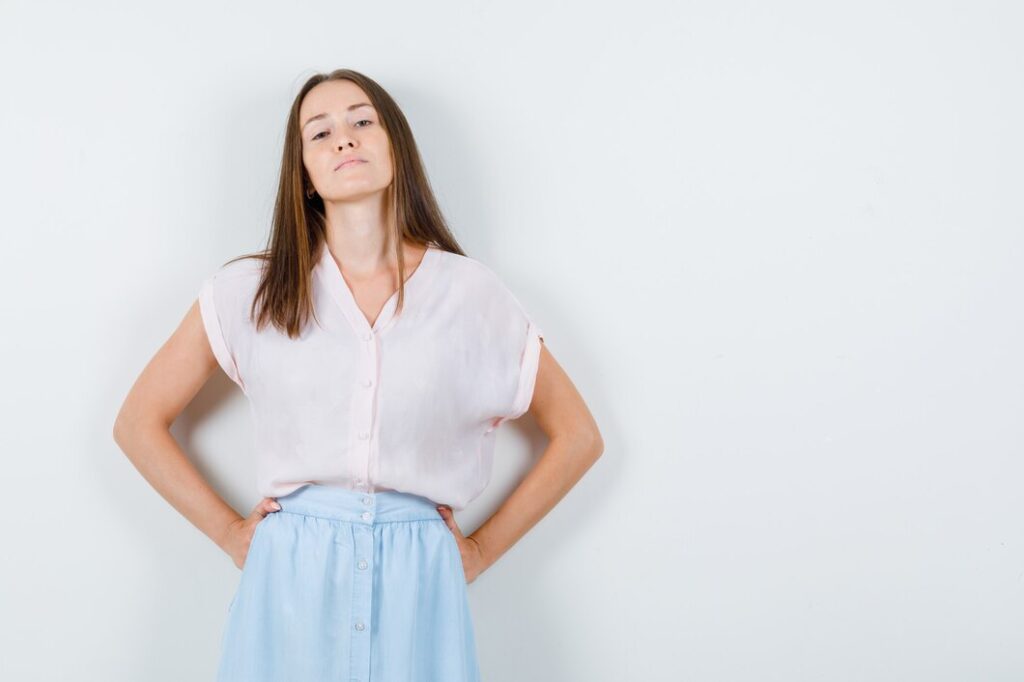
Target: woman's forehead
333, 96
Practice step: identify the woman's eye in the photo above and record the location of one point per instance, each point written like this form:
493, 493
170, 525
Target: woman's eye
324, 132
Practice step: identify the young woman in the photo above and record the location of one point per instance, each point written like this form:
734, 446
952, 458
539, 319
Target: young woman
378, 360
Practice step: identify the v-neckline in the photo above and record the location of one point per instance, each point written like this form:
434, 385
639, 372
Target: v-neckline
342, 294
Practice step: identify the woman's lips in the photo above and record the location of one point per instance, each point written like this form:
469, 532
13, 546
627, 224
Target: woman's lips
348, 163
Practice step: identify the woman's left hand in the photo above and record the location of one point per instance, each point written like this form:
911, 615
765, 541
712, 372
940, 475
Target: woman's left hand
472, 558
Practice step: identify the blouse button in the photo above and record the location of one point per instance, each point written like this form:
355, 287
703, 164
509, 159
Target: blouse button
368, 383
363, 435
366, 516
363, 564
359, 626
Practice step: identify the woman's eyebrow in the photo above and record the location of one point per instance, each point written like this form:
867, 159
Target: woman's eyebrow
324, 115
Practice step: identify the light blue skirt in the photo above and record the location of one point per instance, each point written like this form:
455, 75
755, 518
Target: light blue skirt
347, 586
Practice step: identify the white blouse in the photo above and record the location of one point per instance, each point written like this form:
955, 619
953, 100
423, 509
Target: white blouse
409, 403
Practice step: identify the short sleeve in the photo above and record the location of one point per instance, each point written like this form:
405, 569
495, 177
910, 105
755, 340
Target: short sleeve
215, 308
524, 359
529, 362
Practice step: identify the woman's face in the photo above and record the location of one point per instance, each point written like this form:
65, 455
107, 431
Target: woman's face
339, 124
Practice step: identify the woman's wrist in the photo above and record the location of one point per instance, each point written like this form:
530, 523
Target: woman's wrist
485, 557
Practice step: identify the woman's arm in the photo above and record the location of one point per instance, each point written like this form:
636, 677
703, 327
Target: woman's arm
574, 444
142, 430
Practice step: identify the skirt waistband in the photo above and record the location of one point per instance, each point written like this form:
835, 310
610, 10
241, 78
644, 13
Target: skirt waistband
355, 506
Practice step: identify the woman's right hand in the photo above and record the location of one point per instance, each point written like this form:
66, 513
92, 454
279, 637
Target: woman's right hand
239, 535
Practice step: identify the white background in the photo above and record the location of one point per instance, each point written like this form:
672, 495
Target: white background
777, 246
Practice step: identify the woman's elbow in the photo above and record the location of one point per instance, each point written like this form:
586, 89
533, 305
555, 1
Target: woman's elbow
586, 438
595, 443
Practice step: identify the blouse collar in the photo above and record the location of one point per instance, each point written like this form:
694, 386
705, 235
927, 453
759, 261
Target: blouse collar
330, 275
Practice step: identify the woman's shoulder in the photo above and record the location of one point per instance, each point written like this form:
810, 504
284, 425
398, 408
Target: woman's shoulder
234, 283
240, 275
470, 270
477, 281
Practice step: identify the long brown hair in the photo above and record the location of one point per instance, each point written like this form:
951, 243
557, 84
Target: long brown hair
284, 295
